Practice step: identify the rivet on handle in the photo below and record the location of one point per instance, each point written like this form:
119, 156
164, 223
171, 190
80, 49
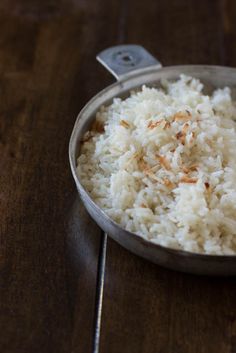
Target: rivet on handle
126, 60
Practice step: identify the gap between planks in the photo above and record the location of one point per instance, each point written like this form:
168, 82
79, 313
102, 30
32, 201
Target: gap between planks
99, 293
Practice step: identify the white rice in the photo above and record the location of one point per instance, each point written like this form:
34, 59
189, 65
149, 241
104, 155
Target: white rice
165, 165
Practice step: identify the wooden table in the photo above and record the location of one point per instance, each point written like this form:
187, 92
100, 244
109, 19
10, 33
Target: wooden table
51, 252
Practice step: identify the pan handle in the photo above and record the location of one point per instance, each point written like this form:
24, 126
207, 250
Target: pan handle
127, 60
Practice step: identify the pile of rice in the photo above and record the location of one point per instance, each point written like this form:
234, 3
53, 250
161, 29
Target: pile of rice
162, 164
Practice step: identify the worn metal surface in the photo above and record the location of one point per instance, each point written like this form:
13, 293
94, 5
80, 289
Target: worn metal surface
212, 77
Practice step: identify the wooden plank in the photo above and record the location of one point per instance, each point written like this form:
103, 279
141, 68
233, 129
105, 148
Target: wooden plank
48, 255
148, 309
228, 11
177, 32
83, 251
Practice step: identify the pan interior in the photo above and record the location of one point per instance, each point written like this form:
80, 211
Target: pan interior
211, 76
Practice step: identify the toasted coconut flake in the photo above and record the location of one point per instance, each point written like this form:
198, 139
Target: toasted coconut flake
164, 162
172, 150
185, 128
143, 205
181, 116
148, 172
185, 170
208, 188
152, 125
168, 183
167, 125
143, 166
98, 126
151, 175
188, 180
191, 168
193, 137
154, 167
181, 136
125, 124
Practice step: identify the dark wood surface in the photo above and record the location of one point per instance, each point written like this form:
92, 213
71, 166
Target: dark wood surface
50, 250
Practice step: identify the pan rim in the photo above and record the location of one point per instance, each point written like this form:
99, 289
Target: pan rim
82, 190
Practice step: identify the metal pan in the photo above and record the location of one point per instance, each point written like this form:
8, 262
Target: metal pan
133, 66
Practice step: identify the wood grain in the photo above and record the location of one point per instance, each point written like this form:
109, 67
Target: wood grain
150, 309
147, 309
49, 247
48, 261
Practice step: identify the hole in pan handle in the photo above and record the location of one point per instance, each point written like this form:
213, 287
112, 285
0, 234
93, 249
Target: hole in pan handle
127, 60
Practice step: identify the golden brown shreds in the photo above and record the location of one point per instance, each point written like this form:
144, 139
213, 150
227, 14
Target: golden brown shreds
208, 188
154, 167
143, 166
172, 150
152, 125
168, 183
193, 137
181, 116
185, 128
188, 180
151, 175
185, 170
147, 169
97, 126
164, 162
143, 205
181, 136
167, 125
191, 168
125, 124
